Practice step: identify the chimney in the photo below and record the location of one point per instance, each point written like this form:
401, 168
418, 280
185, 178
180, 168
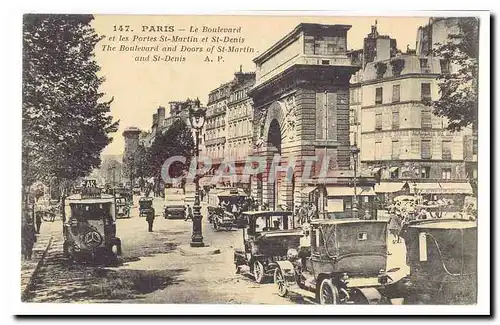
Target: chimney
383, 49
161, 116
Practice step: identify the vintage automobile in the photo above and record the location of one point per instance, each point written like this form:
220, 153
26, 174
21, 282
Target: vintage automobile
122, 207
89, 228
339, 262
220, 203
146, 206
441, 254
175, 205
267, 239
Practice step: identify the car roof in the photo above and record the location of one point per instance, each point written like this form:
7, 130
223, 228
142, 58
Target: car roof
343, 221
443, 224
77, 198
267, 213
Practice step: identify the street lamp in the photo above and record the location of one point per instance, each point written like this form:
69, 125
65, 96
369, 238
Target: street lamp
355, 151
197, 119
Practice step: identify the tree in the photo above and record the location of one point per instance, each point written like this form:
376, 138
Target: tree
176, 141
66, 122
458, 88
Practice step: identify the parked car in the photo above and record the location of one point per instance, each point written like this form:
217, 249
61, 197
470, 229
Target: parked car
89, 228
442, 256
266, 240
340, 262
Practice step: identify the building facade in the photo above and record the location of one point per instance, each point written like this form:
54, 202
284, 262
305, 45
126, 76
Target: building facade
215, 130
401, 139
301, 112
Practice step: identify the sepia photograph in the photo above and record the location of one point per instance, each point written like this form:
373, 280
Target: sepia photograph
251, 159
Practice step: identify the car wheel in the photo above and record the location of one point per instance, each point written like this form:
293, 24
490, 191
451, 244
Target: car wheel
280, 282
258, 271
328, 293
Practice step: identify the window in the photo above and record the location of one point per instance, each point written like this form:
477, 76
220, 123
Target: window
426, 119
474, 146
446, 150
445, 66
446, 173
378, 121
309, 44
425, 149
324, 45
425, 90
395, 149
378, 150
325, 62
352, 117
395, 93
378, 95
395, 120
425, 172
424, 65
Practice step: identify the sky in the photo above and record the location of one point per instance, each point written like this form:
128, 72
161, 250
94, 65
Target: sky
138, 88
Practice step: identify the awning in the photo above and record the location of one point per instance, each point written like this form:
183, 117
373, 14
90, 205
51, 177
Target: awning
308, 189
426, 188
456, 188
206, 180
393, 169
349, 191
389, 187
376, 170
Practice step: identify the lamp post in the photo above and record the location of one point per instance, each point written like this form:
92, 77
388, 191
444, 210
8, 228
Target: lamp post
197, 119
355, 151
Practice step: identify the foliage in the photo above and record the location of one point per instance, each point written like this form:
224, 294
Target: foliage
458, 89
66, 123
176, 141
398, 65
381, 69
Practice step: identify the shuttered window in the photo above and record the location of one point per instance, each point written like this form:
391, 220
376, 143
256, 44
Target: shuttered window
425, 90
395, 149
446, 150
378, 121
378, 95
426, 119
378, 150
395, 120
425, 149
396, 93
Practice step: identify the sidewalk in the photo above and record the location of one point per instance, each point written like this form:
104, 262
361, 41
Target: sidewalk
31, 267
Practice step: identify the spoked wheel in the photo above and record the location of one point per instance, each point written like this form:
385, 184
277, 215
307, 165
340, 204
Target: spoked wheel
280, 282
328, 293
258, 272
228, 228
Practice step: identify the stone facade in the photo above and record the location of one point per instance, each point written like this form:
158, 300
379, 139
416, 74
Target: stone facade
400, 136
301, 109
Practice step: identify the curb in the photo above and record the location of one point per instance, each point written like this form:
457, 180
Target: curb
31, 282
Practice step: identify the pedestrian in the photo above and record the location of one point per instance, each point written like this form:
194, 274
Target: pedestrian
150, 218
38, 217
189, 213
394, 228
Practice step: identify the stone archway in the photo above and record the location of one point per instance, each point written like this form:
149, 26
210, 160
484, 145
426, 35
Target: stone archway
273, 146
